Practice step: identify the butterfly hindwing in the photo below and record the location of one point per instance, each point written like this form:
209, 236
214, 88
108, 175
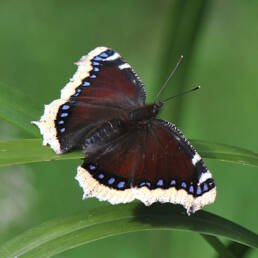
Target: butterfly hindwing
156, 163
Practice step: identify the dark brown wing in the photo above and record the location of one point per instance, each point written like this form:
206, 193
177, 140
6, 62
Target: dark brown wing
104, 88
152, 163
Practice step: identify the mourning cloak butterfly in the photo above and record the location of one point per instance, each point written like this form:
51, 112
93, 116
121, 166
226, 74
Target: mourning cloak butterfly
129, 153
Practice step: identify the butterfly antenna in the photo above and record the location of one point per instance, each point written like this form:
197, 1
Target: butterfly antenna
180, 94
169, 77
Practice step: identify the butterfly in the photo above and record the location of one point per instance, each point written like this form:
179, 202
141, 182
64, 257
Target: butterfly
129, 153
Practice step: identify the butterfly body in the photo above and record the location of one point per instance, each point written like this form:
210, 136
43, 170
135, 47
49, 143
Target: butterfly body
129, 153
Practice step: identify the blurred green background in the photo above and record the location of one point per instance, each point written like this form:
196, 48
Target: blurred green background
40, 41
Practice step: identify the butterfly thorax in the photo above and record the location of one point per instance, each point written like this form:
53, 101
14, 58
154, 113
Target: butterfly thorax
145, 112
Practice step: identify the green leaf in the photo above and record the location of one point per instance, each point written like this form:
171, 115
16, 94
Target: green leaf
25, 151
17, 109
31, 150
61, 234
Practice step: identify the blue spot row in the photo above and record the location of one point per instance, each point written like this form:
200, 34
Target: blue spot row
95, 62
111, 180
60, 122
199, 190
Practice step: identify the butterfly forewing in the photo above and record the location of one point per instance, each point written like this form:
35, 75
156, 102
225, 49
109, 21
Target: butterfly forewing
104, 87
